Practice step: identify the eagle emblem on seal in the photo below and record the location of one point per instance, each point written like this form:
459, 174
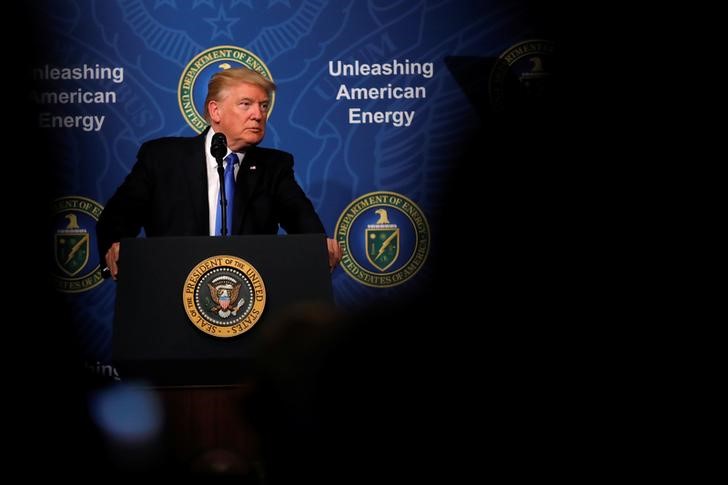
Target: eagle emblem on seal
225, 292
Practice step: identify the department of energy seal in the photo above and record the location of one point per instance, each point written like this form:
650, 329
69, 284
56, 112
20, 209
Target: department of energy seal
76, 265
224, 296
522, 78
192, 88
384, 239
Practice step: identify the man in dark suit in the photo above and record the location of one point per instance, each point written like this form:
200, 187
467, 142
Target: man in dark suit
173, 189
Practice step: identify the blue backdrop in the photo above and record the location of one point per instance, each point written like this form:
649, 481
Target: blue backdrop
113, 74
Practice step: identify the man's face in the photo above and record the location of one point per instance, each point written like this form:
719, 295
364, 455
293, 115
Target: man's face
241, 114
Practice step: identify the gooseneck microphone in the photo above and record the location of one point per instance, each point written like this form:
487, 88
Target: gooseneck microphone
218, 149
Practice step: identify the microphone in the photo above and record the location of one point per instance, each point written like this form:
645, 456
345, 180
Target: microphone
218, 147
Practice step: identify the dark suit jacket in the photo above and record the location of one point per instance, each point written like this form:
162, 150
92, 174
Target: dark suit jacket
166, 194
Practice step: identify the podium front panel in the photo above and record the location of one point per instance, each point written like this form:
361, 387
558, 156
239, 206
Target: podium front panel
154, 339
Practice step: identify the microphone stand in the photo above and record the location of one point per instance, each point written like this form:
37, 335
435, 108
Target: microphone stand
223, 197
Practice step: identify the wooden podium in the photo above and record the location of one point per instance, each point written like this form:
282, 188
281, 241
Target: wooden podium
205, 382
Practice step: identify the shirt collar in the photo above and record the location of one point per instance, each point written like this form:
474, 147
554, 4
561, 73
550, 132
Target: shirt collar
211, 162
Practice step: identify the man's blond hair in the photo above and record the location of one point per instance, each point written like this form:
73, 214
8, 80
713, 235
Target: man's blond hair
222, 80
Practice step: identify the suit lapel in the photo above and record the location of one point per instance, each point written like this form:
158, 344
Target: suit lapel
246, 184
195, 165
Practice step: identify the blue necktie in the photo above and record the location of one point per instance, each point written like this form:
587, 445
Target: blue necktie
231, 160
